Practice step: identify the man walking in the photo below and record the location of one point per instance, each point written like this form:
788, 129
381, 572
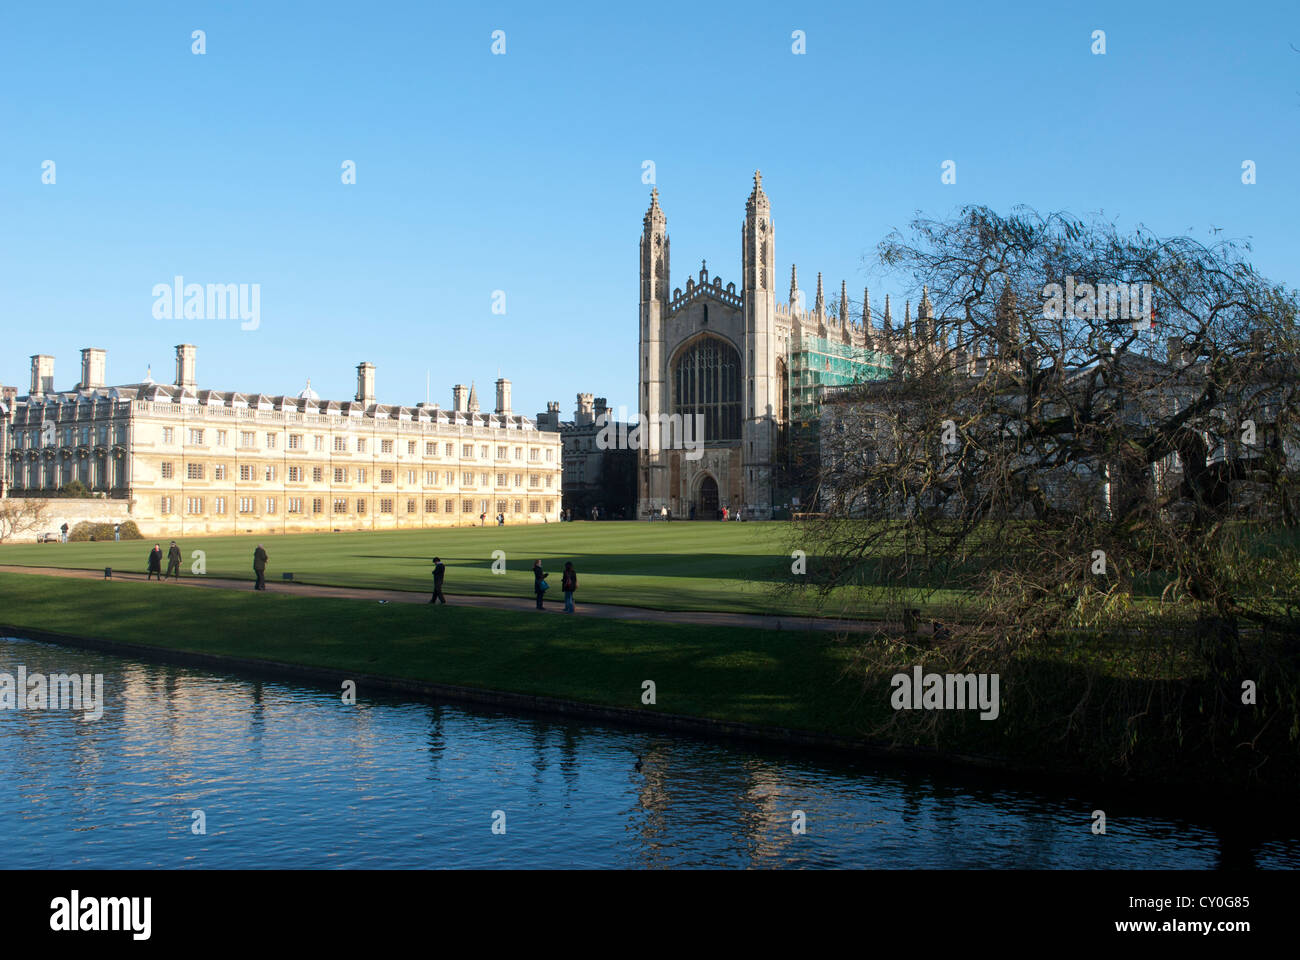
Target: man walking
117, 531
439, 571
155, 563
173, 561
64, 531
259, 567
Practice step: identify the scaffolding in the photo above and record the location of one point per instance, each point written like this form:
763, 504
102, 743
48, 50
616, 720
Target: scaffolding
817, 363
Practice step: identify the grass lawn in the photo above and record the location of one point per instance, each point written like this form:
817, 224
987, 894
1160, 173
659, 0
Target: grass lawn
764, 677
737, 567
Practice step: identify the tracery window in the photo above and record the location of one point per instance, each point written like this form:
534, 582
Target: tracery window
706, 381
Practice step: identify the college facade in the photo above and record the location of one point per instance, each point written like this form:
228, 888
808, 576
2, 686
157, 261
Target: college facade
740, 364
196, 461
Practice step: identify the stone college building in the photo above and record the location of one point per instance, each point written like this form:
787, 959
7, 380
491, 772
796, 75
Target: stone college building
196, 461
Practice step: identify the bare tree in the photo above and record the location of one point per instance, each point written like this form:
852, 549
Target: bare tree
1086, 434
19, 516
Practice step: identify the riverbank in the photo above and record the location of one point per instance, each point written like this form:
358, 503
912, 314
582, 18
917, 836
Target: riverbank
796, 688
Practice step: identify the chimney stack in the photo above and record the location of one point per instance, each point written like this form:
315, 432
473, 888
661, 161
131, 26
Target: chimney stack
460, 398
185, 355
366, 383
42, 374
93, 363
503, 397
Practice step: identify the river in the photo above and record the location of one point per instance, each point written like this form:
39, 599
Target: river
285, 774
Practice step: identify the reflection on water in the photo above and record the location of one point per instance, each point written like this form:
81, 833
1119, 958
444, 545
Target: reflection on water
288, 776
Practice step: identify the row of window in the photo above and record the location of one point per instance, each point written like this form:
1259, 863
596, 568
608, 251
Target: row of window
70, 436
297, 441
248, 506
269, 473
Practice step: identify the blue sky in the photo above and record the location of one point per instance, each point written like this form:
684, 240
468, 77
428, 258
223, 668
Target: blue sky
523, 172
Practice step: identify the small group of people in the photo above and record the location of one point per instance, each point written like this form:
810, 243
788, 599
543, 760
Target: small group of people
174, 564
568, 583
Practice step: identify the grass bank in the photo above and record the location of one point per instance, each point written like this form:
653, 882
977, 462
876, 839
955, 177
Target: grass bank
1063, 710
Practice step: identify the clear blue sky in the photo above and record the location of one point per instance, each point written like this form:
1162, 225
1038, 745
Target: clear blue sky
523, 172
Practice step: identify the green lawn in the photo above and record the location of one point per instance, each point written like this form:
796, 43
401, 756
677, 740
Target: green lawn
737, 567
764, 677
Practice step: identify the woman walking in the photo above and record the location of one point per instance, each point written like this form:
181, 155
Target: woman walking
539, 582
569, 583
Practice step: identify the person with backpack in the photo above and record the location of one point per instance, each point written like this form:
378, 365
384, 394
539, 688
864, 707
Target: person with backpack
569, 583
540, 585
439, 572
155, 563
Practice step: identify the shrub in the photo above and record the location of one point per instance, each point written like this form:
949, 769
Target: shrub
103, 531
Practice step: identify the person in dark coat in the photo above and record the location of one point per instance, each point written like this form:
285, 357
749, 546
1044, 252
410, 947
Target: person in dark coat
439, 571
539, 582
259, 567
569, 583
173, 561
155, 563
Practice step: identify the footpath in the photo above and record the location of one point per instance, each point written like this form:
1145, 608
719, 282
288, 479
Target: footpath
607, 611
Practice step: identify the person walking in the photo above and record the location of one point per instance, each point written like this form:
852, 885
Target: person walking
259, 567
173, 561
569, 583
439, 572
539, 582
63, 530
155, 563
117, 531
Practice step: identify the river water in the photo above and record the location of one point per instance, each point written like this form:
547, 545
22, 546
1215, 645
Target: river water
282, 774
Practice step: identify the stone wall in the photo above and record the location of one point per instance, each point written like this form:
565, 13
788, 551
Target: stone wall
74, 510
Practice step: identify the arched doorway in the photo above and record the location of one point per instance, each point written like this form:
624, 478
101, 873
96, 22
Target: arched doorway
708, 499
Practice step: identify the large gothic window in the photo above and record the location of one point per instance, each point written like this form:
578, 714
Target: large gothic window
706, 381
